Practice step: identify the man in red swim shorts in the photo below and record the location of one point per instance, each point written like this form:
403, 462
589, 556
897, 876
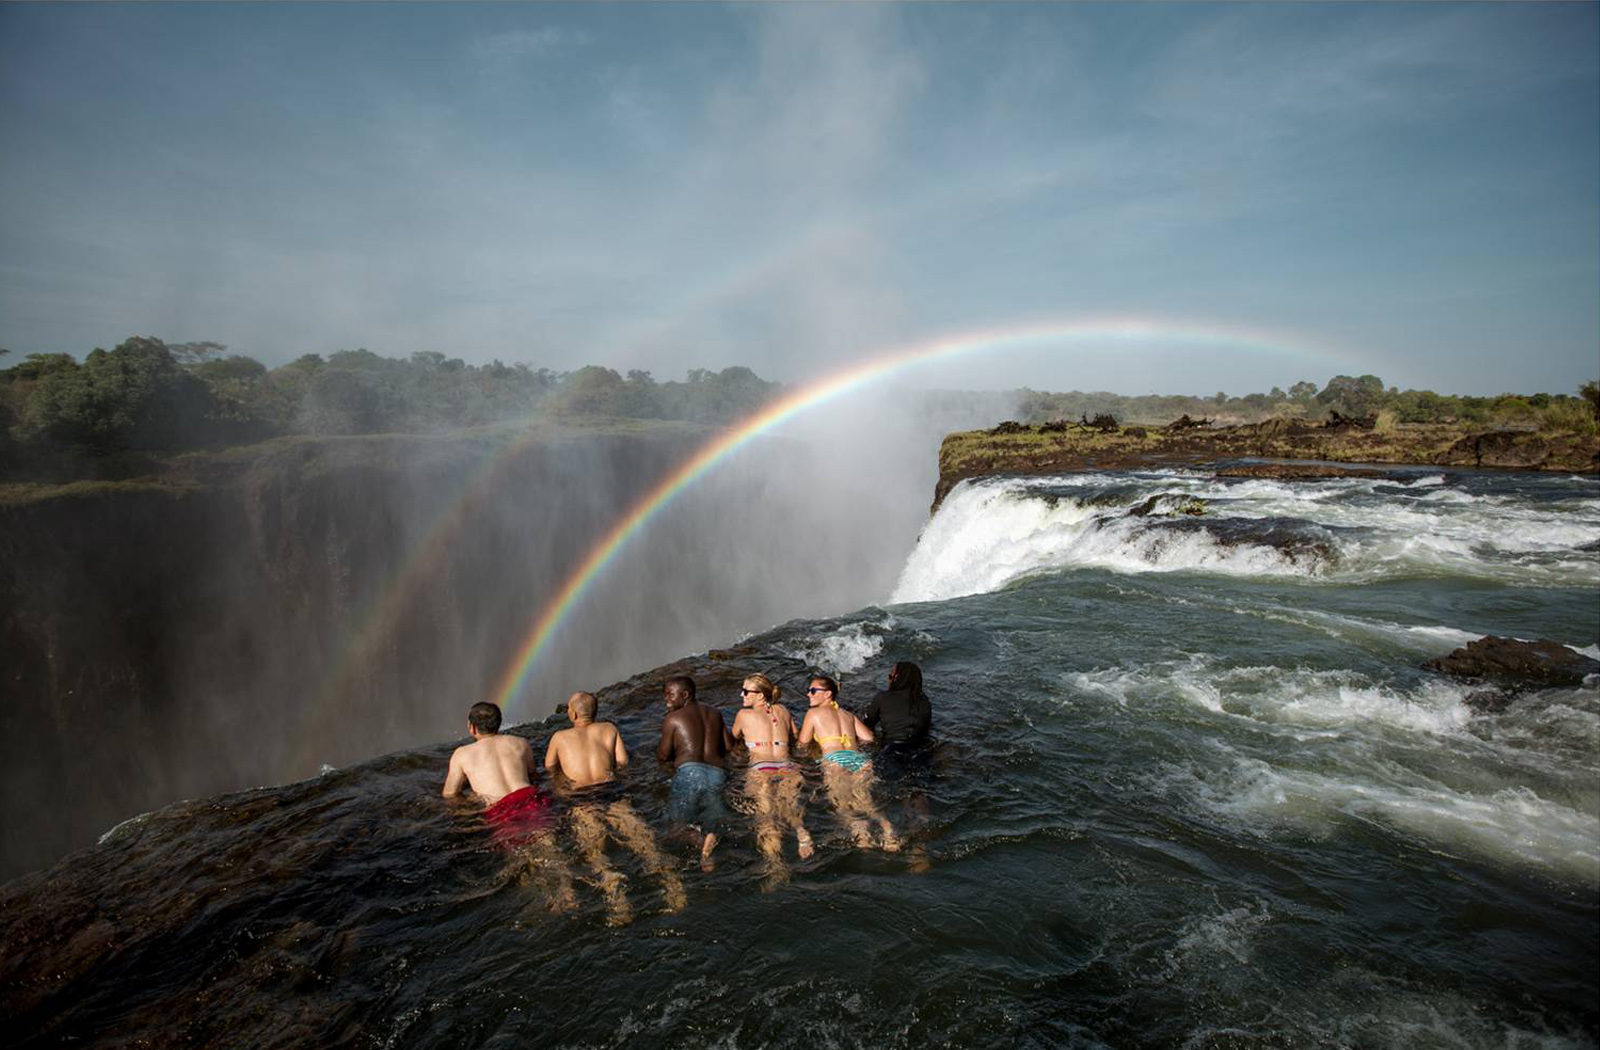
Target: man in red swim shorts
500, 770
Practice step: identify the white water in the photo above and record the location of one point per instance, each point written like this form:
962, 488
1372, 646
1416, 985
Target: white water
846, 649
993, 532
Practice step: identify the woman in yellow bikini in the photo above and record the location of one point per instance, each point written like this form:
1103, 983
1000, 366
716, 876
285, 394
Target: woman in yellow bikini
846, 771
773, 780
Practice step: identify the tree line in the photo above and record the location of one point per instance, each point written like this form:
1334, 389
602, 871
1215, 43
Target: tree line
1355, 397
149, 395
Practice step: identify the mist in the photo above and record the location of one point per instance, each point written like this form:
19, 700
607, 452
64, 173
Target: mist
335, 599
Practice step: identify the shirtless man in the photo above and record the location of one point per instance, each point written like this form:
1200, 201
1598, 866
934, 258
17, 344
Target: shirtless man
497, 768
587, 756
588, 753
500, 770
694, 737
773, 781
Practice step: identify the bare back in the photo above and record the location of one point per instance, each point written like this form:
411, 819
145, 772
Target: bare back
834, 729
694, 733
767, 730
493, 766
586, 754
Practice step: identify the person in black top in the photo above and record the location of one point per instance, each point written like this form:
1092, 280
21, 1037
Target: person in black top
902, 711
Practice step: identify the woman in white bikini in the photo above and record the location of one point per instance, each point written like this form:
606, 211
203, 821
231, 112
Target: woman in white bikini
773, 780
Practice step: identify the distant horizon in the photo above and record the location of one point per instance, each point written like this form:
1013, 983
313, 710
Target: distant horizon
14, 358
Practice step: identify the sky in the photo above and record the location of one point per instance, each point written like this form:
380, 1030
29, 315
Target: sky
1409, 190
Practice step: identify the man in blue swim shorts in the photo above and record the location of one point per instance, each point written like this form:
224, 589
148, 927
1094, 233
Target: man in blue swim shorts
696, 740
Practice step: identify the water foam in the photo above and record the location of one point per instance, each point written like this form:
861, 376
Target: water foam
846, 649
1341, 700
1513, 826
992, 532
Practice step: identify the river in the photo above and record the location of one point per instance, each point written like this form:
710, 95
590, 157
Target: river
1191, 788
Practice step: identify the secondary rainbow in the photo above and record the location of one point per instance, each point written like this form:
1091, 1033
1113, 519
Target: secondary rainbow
556, 610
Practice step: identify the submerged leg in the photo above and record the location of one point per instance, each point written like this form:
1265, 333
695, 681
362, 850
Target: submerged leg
759, 788
865, 805
544, 856
590, 830
841, 793
707, 864
637, 837
789, 810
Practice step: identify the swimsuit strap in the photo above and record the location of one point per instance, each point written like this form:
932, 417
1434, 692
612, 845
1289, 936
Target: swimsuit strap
774, 743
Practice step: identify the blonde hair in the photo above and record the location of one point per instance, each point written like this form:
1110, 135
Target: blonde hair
768, 687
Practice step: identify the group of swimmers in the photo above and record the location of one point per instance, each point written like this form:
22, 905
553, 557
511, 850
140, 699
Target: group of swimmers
696, 743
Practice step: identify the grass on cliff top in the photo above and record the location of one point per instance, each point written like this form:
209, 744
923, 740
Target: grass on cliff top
977, 451
22, 493
968, 448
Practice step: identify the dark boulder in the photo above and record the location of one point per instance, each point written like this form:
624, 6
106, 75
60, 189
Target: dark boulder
1299, 472
1508, 662
1169, 503
1513, 449
1336, 421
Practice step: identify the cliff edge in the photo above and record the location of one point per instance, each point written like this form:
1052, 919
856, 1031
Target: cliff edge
1062, 448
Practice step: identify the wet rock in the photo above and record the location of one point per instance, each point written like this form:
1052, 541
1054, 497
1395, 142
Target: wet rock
1166, 504
1509, 662
1489, 701
1499, 448
1309, 547
1297, 471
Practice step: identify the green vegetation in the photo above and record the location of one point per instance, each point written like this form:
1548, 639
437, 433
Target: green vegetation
1355, 397
108, 415
17, 493
1053, 447
148, 396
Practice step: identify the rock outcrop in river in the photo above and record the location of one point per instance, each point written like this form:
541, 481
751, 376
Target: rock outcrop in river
1052, 448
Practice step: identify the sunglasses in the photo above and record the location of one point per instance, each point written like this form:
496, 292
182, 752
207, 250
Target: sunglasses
750, 692
819, 689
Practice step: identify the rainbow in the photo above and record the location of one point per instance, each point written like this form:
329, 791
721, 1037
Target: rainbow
556, 610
